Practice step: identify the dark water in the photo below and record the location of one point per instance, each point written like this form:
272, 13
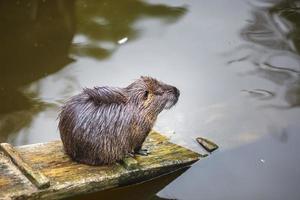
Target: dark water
237, 64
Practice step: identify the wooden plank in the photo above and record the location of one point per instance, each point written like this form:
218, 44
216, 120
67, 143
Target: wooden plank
12, 181
69, 178
36, 177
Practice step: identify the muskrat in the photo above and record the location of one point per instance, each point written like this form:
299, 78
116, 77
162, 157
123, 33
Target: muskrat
104, 124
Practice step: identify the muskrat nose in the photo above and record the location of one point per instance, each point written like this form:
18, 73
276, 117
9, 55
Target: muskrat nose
176, 92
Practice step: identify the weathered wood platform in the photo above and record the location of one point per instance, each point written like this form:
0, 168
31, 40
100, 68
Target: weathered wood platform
44, 171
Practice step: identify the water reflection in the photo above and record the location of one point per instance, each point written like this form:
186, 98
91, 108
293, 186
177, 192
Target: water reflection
39, 38
264, 169
35, 39
274, 36
260, 94
101, 24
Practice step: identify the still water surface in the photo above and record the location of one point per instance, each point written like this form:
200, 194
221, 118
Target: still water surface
237, 64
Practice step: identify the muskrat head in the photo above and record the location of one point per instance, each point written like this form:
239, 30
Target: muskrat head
152, 95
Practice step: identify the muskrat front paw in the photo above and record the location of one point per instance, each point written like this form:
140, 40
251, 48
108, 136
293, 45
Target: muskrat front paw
130, 154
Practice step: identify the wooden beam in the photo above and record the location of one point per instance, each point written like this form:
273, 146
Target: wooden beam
35, 176
48, 161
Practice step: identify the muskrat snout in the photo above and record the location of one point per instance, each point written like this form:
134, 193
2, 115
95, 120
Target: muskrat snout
176, 92
173, 97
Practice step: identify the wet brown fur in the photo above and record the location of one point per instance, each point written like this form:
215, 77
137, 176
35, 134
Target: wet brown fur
104, 124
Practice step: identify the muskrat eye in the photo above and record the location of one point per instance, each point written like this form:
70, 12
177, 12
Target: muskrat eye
146, 94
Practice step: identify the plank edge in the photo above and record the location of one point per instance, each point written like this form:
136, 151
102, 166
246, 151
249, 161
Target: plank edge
34, 176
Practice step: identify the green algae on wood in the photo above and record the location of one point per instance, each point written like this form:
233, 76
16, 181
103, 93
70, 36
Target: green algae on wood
129, 163
68, 178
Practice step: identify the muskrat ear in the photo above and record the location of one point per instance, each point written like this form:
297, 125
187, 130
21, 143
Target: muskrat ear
146, 94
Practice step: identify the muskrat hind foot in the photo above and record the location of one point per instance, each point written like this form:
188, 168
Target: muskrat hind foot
143, 152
